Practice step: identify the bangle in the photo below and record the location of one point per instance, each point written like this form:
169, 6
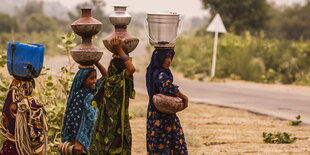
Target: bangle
125, 57
86, 67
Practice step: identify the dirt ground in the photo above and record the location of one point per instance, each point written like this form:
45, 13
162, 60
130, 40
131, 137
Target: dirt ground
212, 130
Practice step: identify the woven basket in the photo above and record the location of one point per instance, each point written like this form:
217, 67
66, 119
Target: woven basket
167, 104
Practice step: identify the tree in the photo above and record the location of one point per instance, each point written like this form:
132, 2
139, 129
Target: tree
8, 24
296, 22
31, 7
39, 23
290, 23
241, 15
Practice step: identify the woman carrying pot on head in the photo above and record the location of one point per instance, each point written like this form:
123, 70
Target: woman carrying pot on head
164, 132
112, 133
80, 115
24, 121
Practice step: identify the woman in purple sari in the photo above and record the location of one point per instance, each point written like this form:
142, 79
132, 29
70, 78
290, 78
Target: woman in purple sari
164, 135
24, 121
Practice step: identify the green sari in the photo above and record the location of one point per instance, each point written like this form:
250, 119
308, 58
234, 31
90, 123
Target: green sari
112, 134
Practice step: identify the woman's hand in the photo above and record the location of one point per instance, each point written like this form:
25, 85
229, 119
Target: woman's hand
184, 99
78, 147
102, 70
116, 44
176, 86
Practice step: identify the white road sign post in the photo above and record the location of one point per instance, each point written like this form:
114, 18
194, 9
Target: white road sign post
216, 26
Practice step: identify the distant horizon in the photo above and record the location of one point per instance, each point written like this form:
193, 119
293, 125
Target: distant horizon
186, 8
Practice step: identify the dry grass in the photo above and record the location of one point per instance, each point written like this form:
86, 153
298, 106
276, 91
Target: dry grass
215, 131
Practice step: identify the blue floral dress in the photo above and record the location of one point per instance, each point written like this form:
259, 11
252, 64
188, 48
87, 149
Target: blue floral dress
80, 117
164, 131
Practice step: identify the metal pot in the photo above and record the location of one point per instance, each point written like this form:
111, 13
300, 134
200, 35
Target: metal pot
120, 18
162, 29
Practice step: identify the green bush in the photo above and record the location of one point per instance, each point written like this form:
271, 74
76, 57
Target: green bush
296, 122
4, 85
40, 23
245, 57
278, 138
8, 23
49, 39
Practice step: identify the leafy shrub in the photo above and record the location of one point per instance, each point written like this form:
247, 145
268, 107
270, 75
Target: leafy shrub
278, 138
49, 39
8, 24
296, 122
4, 85
40, 23
245, 57
55, 93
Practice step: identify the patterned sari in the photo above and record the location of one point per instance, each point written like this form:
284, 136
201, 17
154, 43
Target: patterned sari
80, 115
112, 133
164, 131
24, 121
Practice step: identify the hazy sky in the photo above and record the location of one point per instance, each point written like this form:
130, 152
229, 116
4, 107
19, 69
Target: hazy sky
189, 8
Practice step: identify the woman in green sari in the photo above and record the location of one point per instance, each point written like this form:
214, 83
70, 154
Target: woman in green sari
112, 133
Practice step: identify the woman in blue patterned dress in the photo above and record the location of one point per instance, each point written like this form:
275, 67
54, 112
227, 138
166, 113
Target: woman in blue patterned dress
80, 114
164, 131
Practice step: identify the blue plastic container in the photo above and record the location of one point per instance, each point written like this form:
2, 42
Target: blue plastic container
25, 60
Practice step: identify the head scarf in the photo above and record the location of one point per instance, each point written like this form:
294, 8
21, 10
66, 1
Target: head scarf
116, 66
155, 67
78, 81
25, 87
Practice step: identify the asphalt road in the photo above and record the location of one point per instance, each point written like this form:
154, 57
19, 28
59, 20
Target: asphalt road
285, 104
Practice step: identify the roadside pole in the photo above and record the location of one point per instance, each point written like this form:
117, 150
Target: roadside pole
216, 26
214, 54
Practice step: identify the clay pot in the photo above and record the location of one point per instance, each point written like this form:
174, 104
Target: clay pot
86, 54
